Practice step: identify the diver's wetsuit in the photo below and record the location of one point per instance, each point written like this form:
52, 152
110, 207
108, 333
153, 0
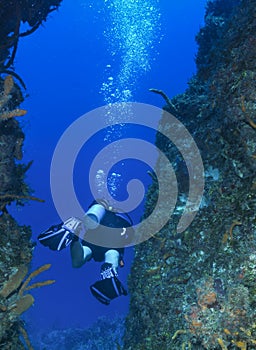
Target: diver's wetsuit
107, 238
106, 242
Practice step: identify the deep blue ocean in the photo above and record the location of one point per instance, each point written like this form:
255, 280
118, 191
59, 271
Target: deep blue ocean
88, 54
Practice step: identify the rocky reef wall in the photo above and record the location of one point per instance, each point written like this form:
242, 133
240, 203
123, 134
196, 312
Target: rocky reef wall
16, 247
197, 289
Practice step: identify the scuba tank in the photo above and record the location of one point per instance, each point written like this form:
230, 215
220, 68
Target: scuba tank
93, 216
95, 213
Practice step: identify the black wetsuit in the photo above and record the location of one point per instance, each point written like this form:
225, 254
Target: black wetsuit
114, 232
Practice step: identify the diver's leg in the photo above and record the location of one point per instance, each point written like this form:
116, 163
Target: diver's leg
79, 253
109, 287
112, 257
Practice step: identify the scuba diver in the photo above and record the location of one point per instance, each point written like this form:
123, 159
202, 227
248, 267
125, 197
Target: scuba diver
110, 230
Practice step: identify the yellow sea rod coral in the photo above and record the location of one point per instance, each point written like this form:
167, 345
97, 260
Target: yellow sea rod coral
5, 97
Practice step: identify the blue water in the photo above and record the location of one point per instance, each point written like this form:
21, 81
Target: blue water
87, 54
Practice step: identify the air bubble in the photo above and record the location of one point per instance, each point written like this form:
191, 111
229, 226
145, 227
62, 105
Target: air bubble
132, 33
133, 30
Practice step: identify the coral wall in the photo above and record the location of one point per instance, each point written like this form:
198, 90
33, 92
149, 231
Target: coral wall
16, 247
197, 290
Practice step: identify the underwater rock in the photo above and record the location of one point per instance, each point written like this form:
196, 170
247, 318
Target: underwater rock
12, 15
16, 247
215, 307
104, 334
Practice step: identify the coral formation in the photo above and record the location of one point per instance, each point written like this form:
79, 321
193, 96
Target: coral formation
196, 290
13, 301
105, 334
12, 15
15, 241
12, 293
